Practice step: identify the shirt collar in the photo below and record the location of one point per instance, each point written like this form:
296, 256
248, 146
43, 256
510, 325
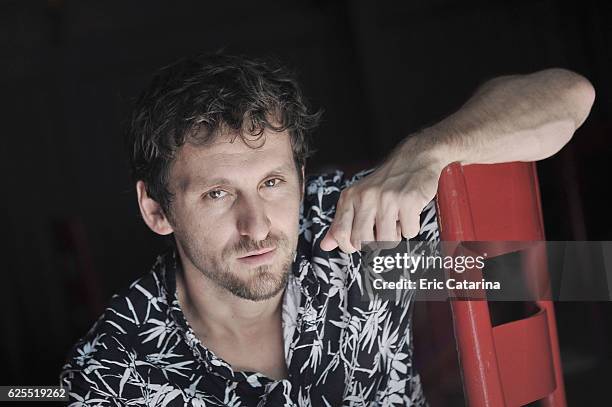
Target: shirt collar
168, 265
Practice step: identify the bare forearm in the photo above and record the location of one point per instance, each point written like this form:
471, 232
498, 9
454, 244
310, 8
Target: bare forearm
512, 118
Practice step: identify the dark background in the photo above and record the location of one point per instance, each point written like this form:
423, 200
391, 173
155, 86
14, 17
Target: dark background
380, 69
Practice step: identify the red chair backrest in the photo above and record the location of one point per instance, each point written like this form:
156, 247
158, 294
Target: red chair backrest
517, 362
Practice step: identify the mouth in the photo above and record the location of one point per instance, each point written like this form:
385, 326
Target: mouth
258, 256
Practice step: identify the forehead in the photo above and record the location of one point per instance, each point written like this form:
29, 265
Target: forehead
234, 161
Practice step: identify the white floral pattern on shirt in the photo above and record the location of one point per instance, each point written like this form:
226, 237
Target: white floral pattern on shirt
339, 349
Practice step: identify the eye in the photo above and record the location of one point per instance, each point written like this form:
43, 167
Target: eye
216, 194
272, 182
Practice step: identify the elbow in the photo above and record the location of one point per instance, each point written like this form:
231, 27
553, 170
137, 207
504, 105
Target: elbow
585, 97
580, 94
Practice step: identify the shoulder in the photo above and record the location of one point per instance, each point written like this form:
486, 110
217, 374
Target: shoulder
321, 191
114, 340
321, 194
331, 182
129, 310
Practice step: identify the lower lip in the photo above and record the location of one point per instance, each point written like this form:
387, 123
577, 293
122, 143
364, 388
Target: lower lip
258, 259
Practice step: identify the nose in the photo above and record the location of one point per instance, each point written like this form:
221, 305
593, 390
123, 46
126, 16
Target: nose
253, 220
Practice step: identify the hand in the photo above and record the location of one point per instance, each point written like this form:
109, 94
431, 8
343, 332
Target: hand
386, 205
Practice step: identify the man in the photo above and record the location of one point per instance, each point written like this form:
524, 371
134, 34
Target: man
258, 303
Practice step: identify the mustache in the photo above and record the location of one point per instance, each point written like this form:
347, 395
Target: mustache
244, 246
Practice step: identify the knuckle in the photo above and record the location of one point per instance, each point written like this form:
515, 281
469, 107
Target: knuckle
410, 224
342, 198
416, 201
427, 193
384, 236
388, 197
341, 236
346, 247
391, 237
346, 193
369, 194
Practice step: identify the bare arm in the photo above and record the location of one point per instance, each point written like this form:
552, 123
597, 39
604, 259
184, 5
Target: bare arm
515, 118
509, 118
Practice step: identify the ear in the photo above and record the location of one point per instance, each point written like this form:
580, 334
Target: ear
303, 183
152, 212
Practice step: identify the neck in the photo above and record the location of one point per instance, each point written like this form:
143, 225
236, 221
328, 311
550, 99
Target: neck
214, 312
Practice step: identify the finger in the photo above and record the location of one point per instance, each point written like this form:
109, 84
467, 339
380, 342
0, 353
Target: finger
363, 225
340, 229
386, 232
328, 242
386, 218
409, 220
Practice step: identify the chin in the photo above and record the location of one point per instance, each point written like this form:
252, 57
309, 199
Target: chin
265, 282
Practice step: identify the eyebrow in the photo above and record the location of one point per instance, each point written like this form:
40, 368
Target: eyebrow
202, 182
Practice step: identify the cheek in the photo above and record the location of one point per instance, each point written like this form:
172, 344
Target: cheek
216, 233
286, 215
209, 234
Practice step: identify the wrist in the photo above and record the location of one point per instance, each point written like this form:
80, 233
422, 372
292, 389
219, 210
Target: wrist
433, 148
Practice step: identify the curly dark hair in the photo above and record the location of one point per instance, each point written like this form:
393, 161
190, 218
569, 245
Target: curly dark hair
198, 97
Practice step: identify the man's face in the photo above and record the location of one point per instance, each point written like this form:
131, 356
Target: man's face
233, 202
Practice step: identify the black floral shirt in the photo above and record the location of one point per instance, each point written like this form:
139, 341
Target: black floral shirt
339, 349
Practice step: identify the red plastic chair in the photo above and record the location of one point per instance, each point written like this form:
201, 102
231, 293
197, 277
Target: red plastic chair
518, 362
